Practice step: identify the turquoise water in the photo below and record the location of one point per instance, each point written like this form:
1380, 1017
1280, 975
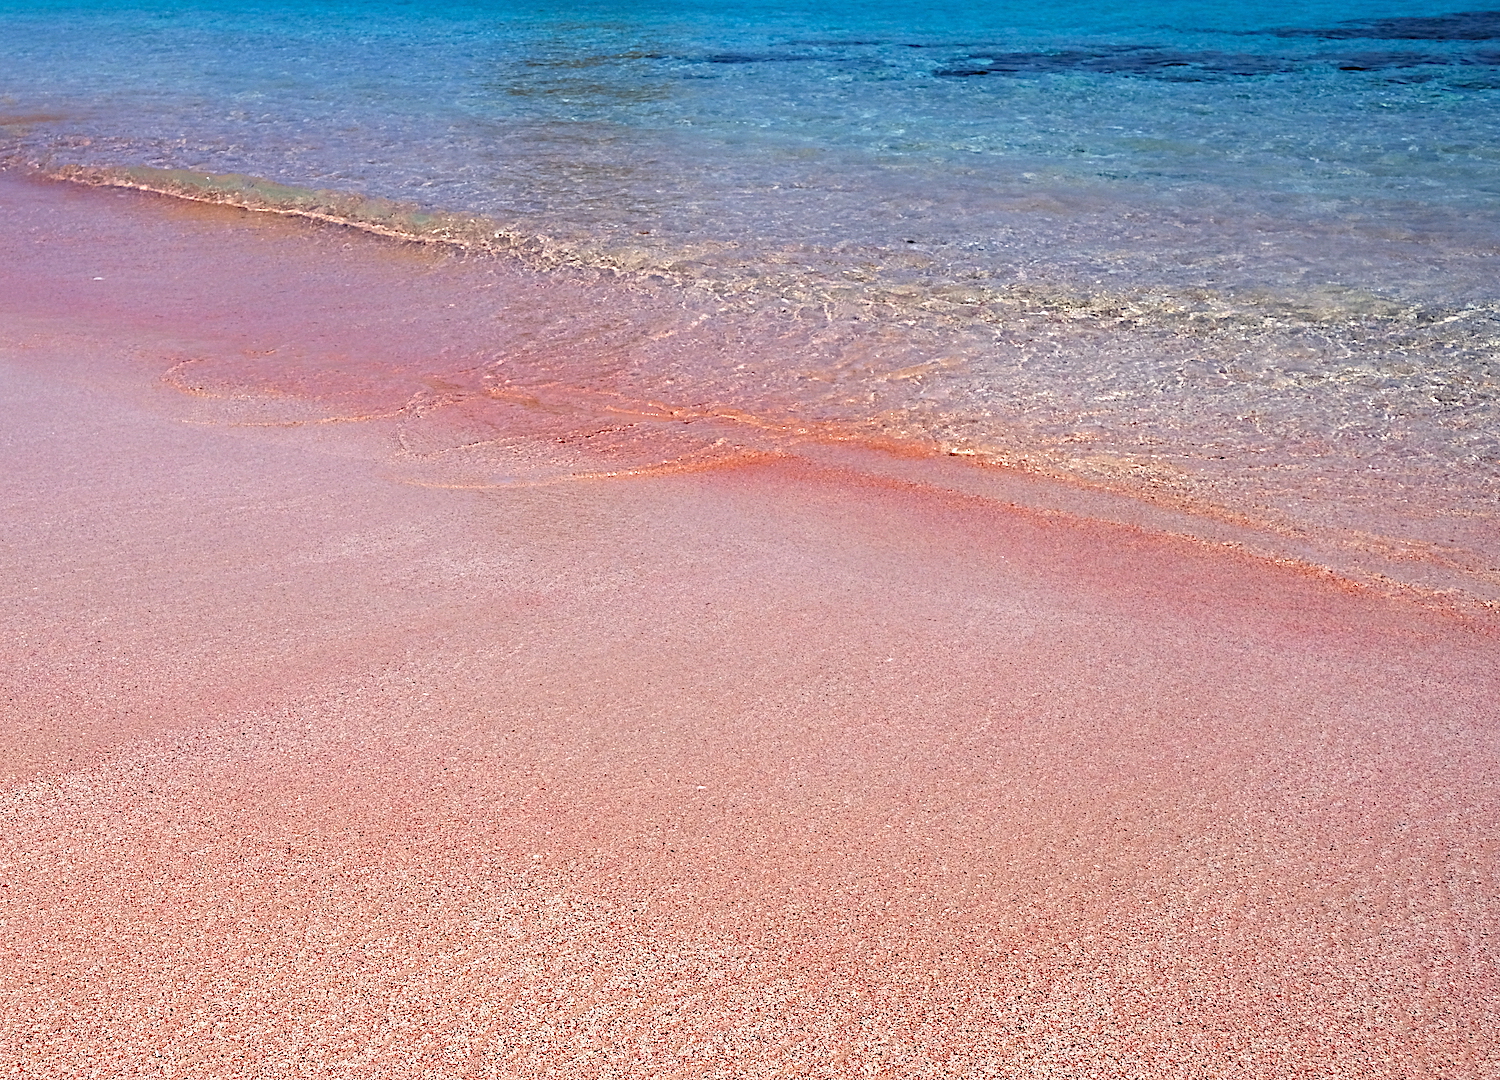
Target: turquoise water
1249, 252
797, 125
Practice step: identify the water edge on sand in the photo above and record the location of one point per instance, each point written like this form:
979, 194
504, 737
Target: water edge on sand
340, 741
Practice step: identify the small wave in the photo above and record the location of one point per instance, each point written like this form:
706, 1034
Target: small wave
797, 281
385, 217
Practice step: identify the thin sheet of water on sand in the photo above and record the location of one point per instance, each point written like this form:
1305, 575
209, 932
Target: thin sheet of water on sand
480, 372
771, 767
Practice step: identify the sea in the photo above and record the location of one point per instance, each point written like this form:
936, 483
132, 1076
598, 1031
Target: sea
1238, 260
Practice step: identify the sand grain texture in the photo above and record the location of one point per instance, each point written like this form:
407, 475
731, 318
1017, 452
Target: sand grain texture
772, 769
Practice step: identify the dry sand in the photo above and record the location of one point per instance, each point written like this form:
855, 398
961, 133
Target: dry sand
772, 769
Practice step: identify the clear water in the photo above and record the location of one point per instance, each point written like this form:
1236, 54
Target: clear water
1246, 254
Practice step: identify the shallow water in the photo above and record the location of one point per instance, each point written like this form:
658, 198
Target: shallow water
1241, 259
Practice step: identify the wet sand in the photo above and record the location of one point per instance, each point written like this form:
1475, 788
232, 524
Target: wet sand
324, 759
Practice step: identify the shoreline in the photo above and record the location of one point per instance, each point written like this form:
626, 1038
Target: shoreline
777, 766
1421, 570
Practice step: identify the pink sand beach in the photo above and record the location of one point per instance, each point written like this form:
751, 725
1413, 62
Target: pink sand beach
361, 721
